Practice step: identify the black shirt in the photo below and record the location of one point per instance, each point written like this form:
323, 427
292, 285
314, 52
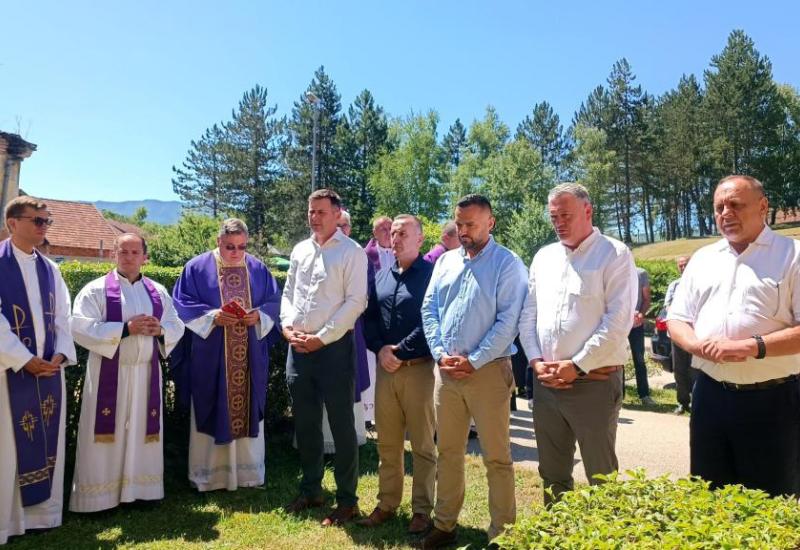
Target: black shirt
393, 315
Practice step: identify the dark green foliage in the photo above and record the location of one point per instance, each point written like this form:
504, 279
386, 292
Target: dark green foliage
661, 273
640, 513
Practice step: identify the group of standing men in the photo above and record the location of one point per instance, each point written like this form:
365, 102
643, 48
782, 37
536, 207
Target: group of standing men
442, 328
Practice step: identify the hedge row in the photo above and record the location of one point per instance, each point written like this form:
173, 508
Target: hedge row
77, 275
662, 273
640, 513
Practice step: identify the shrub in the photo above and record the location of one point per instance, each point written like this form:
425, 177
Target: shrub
662, 273
659, 514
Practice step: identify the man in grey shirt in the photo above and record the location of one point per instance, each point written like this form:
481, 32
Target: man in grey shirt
636, 337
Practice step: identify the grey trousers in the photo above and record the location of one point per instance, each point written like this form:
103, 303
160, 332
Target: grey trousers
685, 375
586, 413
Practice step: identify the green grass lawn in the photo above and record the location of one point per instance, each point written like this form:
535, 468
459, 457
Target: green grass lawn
253, 518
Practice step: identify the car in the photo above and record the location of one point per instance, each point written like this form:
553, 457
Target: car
660, 342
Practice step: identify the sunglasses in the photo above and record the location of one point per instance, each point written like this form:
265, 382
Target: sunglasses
37, 221
232, 247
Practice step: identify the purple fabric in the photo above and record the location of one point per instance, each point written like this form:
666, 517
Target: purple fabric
372, 254
200, 365
106, 409
434, 253
35, 401
362, 365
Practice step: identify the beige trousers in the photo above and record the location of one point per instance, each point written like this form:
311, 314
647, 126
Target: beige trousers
484, 396
404, 403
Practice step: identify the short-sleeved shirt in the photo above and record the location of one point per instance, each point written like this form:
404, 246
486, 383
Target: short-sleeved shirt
644, 282
728, 295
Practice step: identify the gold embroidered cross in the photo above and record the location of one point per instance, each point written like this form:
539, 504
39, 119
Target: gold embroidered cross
153, 413
106, 411
28, 423
48, 408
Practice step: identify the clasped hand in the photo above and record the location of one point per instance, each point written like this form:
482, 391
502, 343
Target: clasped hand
560, 375
144, 325
456, 367
725, 351
39, 367
302, 341
225, 319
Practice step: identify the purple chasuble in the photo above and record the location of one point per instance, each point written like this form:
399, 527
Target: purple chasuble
35, 401
434, 253
362, 366
203, 367
106, 410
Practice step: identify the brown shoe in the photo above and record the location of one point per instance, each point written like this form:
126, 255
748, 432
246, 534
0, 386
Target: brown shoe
419, 524
341, 515
437, 538
377, 517
302, 503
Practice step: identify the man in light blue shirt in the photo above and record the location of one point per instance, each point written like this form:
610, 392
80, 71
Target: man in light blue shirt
470, 316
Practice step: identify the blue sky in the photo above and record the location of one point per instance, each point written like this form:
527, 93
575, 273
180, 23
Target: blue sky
113, 92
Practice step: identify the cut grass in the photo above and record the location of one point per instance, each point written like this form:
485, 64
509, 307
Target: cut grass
669, 250
253, 518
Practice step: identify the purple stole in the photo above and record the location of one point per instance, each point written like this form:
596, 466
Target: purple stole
234, 285
106, 411
35, 401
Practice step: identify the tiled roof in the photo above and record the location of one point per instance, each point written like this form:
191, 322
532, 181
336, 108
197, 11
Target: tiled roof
122, 227
78, 225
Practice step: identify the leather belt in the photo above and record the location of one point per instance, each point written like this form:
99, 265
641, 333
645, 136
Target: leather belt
765, 385
416, 361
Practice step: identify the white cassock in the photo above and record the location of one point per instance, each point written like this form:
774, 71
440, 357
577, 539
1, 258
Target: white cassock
126, 469
14, 519
239, 463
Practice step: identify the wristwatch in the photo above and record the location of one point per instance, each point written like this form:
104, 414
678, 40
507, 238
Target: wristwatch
578, 370
762, 347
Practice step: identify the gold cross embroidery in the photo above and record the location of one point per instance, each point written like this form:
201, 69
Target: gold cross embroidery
153, 413
48, 408
106, 411
28, 424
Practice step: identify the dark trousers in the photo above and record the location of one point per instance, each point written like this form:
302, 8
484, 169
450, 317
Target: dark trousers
748, 437
636, 341
685, 375
325, 376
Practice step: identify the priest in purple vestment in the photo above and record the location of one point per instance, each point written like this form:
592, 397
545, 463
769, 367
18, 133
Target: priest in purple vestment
449, 241
229, 302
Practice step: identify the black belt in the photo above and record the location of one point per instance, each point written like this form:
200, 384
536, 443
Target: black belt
765, 385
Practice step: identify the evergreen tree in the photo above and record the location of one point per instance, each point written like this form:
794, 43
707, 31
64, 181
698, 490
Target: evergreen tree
202, 183
256, 145
454, 143
544, 132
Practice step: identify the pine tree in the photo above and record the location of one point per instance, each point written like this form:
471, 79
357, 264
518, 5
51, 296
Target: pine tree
454, 143
203, 181
544, 132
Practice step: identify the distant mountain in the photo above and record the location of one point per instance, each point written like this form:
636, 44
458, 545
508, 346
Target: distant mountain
166, 212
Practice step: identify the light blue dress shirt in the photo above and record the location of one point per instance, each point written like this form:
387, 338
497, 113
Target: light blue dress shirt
472, 306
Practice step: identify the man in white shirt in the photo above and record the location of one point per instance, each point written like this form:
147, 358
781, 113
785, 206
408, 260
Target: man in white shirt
737, 311
324, 294
574, 327
35, 346
127, 322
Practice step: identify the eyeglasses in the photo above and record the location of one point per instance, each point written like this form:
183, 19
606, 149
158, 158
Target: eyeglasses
37, 221
343, 225
232, 247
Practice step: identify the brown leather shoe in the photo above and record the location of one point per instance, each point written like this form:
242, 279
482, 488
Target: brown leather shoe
302, 503
420, 523
437, 538
341, 515
377, 517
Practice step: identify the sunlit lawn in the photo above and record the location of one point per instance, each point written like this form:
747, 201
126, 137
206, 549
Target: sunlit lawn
252, 518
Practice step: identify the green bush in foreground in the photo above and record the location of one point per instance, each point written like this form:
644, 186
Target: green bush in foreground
660, 514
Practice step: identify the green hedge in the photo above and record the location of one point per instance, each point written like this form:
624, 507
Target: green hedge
640, 513
662, 273
77, 275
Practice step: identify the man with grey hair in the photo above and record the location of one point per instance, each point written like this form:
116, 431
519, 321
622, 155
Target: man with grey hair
448, 241
737, 311
230, 304
573, 327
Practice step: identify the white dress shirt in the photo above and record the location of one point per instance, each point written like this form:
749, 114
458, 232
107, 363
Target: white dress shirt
580, 303
728, 295
386, 257
326, 287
